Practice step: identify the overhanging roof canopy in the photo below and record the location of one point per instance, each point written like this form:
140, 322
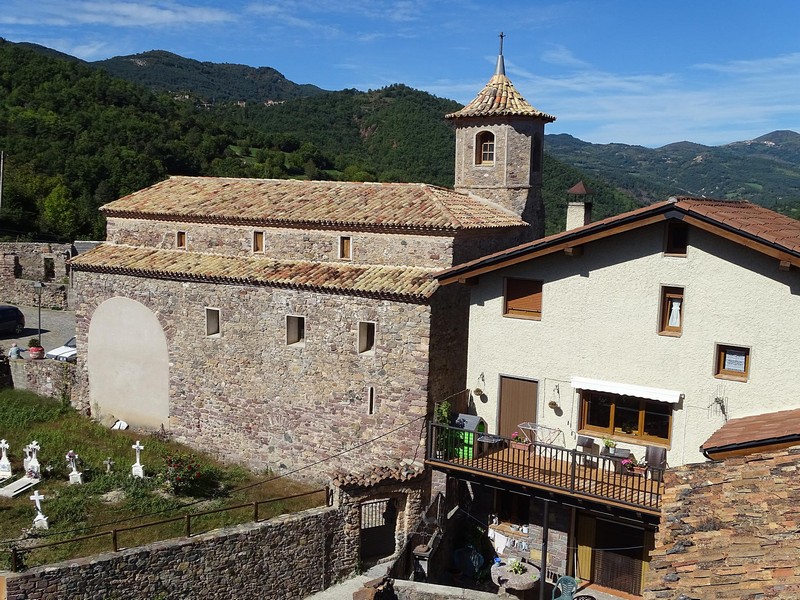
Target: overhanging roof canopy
626, 389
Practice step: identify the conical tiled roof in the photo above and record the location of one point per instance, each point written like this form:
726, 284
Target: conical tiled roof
500, 99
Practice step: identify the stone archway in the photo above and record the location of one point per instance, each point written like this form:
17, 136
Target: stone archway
128, 364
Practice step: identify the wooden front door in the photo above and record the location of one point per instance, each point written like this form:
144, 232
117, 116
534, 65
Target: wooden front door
517, 404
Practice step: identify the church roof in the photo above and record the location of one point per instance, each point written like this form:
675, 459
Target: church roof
407, 284
291, 202
500, 99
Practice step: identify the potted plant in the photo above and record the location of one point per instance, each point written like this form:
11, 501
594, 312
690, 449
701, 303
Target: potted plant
442, 415
518, 442
35, 349
610, 445
634, 466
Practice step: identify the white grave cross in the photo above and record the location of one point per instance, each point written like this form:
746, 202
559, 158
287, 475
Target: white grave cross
33, 463
40, 521
75, 477
5, 464
137, 470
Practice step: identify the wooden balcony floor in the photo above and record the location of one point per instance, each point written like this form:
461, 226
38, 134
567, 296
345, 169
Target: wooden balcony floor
598, 479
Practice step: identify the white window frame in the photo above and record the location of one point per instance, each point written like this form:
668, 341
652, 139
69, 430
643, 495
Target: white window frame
341, 254
295, 336
364, 347
213, 314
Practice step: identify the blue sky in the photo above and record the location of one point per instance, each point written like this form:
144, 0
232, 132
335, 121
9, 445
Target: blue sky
637, 72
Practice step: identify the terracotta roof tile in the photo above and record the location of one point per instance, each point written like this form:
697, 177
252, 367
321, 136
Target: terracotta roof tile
410, 284
500, 99
749, 218
312, 203
759, 428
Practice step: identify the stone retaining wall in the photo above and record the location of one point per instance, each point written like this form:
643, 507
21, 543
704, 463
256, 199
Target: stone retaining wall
290, 556
729, 530
49, 378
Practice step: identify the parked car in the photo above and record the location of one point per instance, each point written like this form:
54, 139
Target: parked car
11, 320
68, 352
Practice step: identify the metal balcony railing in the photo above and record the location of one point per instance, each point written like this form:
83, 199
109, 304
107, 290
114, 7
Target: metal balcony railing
598, 477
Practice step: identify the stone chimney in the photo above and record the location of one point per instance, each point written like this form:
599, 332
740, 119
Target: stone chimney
579, 211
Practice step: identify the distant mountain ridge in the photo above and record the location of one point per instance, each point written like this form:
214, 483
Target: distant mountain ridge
765, 170
163, 71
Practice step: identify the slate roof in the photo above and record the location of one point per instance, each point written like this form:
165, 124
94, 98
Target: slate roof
500, 99
409, 284
756, 430
290, 202
739, 220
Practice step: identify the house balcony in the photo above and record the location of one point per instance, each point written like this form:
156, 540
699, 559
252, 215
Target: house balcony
599, 478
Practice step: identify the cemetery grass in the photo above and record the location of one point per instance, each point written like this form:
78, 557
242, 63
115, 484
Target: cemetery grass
117, 500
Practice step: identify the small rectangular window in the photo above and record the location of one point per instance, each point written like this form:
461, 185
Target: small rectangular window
295, 330
345, 248
366, 337
212, 322
523, 298
258, 241
677, 238
671, 311
732, 362
370, 400
180, 240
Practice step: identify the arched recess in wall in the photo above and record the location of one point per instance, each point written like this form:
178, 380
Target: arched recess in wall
128, 364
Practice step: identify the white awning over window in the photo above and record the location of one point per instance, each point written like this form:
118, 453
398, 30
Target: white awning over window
626, 389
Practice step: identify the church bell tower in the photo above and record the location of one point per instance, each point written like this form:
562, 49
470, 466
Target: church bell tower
500, 147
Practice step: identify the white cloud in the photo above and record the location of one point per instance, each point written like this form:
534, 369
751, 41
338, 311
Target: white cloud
116, 14
559, 55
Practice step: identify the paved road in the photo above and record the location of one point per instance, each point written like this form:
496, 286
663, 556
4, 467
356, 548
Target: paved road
57, 327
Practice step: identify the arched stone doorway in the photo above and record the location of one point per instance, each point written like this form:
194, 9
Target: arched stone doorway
128, 364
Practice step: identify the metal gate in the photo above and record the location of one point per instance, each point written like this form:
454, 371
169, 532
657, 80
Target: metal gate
378, 525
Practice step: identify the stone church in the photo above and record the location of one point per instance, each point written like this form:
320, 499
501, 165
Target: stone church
285, 323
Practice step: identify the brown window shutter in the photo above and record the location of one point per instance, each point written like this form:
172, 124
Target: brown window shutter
524, 298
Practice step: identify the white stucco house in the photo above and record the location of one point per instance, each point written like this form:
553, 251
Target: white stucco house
650, 329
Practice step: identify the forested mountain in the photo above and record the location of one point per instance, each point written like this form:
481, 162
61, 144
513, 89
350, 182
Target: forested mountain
75, 138
209, 82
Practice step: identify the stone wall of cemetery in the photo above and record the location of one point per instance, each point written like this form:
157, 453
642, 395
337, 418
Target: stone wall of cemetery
290, 556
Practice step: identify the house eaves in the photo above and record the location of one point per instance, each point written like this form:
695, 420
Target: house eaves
756, 227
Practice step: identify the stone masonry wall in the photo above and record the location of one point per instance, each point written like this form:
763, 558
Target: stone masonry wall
50, 378
30, 261
434, 251
729, 530
251, 398
289, 557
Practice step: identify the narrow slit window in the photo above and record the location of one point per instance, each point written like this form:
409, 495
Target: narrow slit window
672, 306
345, 247
295, 330
212, 322
366, 337
258, 241
371, 400
180, 240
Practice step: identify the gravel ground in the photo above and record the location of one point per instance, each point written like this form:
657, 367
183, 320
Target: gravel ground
57, 327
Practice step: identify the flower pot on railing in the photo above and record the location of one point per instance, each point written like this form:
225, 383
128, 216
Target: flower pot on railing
525, 446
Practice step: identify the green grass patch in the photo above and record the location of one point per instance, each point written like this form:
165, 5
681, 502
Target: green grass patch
179, 481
